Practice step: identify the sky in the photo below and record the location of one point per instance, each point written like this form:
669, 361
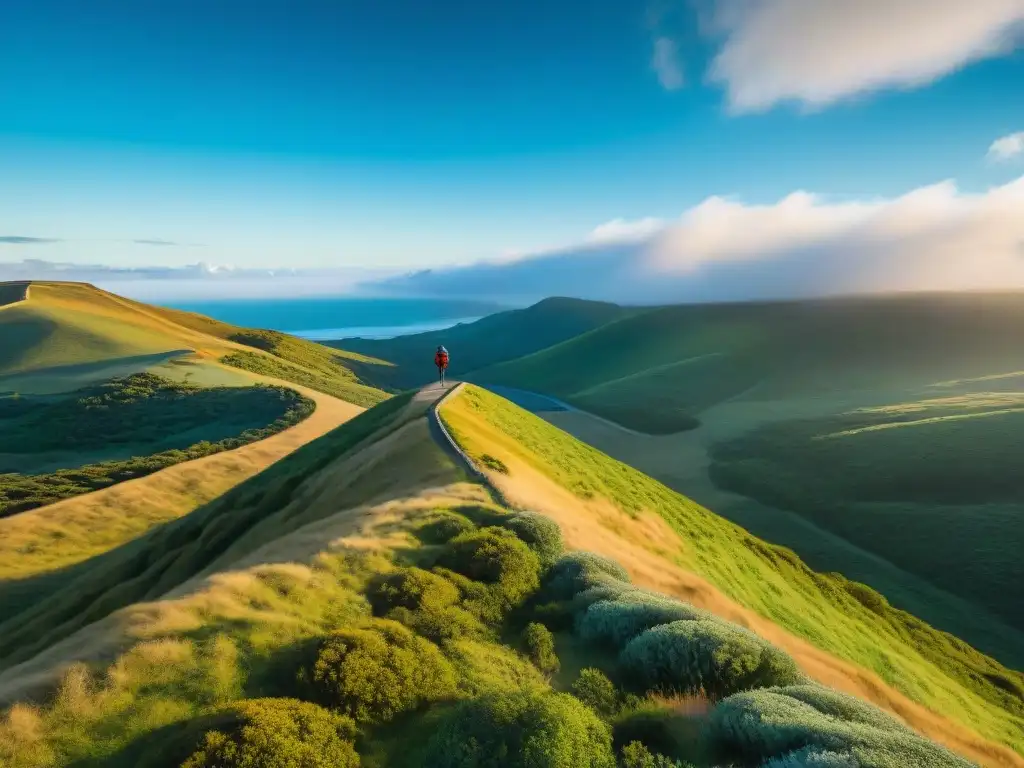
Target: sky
692, 148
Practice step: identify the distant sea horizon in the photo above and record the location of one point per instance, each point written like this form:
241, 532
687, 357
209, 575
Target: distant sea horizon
342, 317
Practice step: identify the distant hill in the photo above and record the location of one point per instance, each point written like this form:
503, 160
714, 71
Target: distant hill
891, 424
493, 339
69, 335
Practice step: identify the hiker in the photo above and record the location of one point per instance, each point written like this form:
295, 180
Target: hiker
441, 361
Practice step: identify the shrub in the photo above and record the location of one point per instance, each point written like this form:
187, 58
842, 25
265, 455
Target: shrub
495, 557
617, 621
594, 689
768, 724
813, 757
540, 533
579, 571
375, 672
540, 646
266, 733
636, 755
412, 588
522, 728
841, 705
441, 625
443, 527
706, 656
494, 464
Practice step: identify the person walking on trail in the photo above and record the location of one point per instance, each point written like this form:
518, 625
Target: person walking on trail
441, 361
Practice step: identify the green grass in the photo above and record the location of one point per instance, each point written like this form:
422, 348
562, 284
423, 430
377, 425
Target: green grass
932, 486
42, 610
846, 619
494, 339
337, 385
684, 359
56, 448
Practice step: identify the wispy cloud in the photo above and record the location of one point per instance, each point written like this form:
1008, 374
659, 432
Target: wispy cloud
931, 238
665, 62
19, 240
1007, 147
155, 242
819, 53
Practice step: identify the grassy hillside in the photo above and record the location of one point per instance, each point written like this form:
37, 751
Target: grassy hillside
847, 619
69, 335
56, 448
364, 607
494, 339
682, 360
932, 486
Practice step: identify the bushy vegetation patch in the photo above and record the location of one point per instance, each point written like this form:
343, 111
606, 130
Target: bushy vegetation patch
594, 689
769, 724
522, 728
578, 571
540, 646
267, 733
442, 527
134, 416
497, 560
425, 602
615, 622
540, 533
706, 656
637, 755
376, 672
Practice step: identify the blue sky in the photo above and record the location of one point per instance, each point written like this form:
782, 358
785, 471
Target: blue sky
412, 134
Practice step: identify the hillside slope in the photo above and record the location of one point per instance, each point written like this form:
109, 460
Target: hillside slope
363, 573
608, 507
494, 339
70, 335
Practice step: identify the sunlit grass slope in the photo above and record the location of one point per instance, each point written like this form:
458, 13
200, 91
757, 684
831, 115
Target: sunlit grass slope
499, 337
69, 335
684, 359
43, 610
841, 617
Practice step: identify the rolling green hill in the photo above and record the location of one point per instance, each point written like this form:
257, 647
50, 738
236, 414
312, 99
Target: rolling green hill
849, 430
361, 603
494, 339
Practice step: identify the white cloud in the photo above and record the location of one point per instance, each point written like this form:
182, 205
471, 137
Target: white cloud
932, 238
1007, 147
817, 52
665, 62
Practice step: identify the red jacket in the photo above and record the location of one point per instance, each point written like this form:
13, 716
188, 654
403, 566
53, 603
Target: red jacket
441, 359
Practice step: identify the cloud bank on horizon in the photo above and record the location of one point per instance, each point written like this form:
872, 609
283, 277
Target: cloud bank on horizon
931, 238
819, 53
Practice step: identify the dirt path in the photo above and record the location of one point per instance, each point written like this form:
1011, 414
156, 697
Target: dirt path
76, 529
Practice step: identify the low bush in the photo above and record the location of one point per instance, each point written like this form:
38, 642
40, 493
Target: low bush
266, 733
522, 728
496, 558
440, 625
494, 464
540, 647
636, 755
443, 527
594, 689
378, 671
411, 588
705, 656
579, 571
771, 725
615, 622
540, 533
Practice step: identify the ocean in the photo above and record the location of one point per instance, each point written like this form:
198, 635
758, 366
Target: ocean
324, 319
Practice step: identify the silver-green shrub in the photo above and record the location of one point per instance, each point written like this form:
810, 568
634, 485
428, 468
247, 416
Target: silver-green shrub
616, 621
